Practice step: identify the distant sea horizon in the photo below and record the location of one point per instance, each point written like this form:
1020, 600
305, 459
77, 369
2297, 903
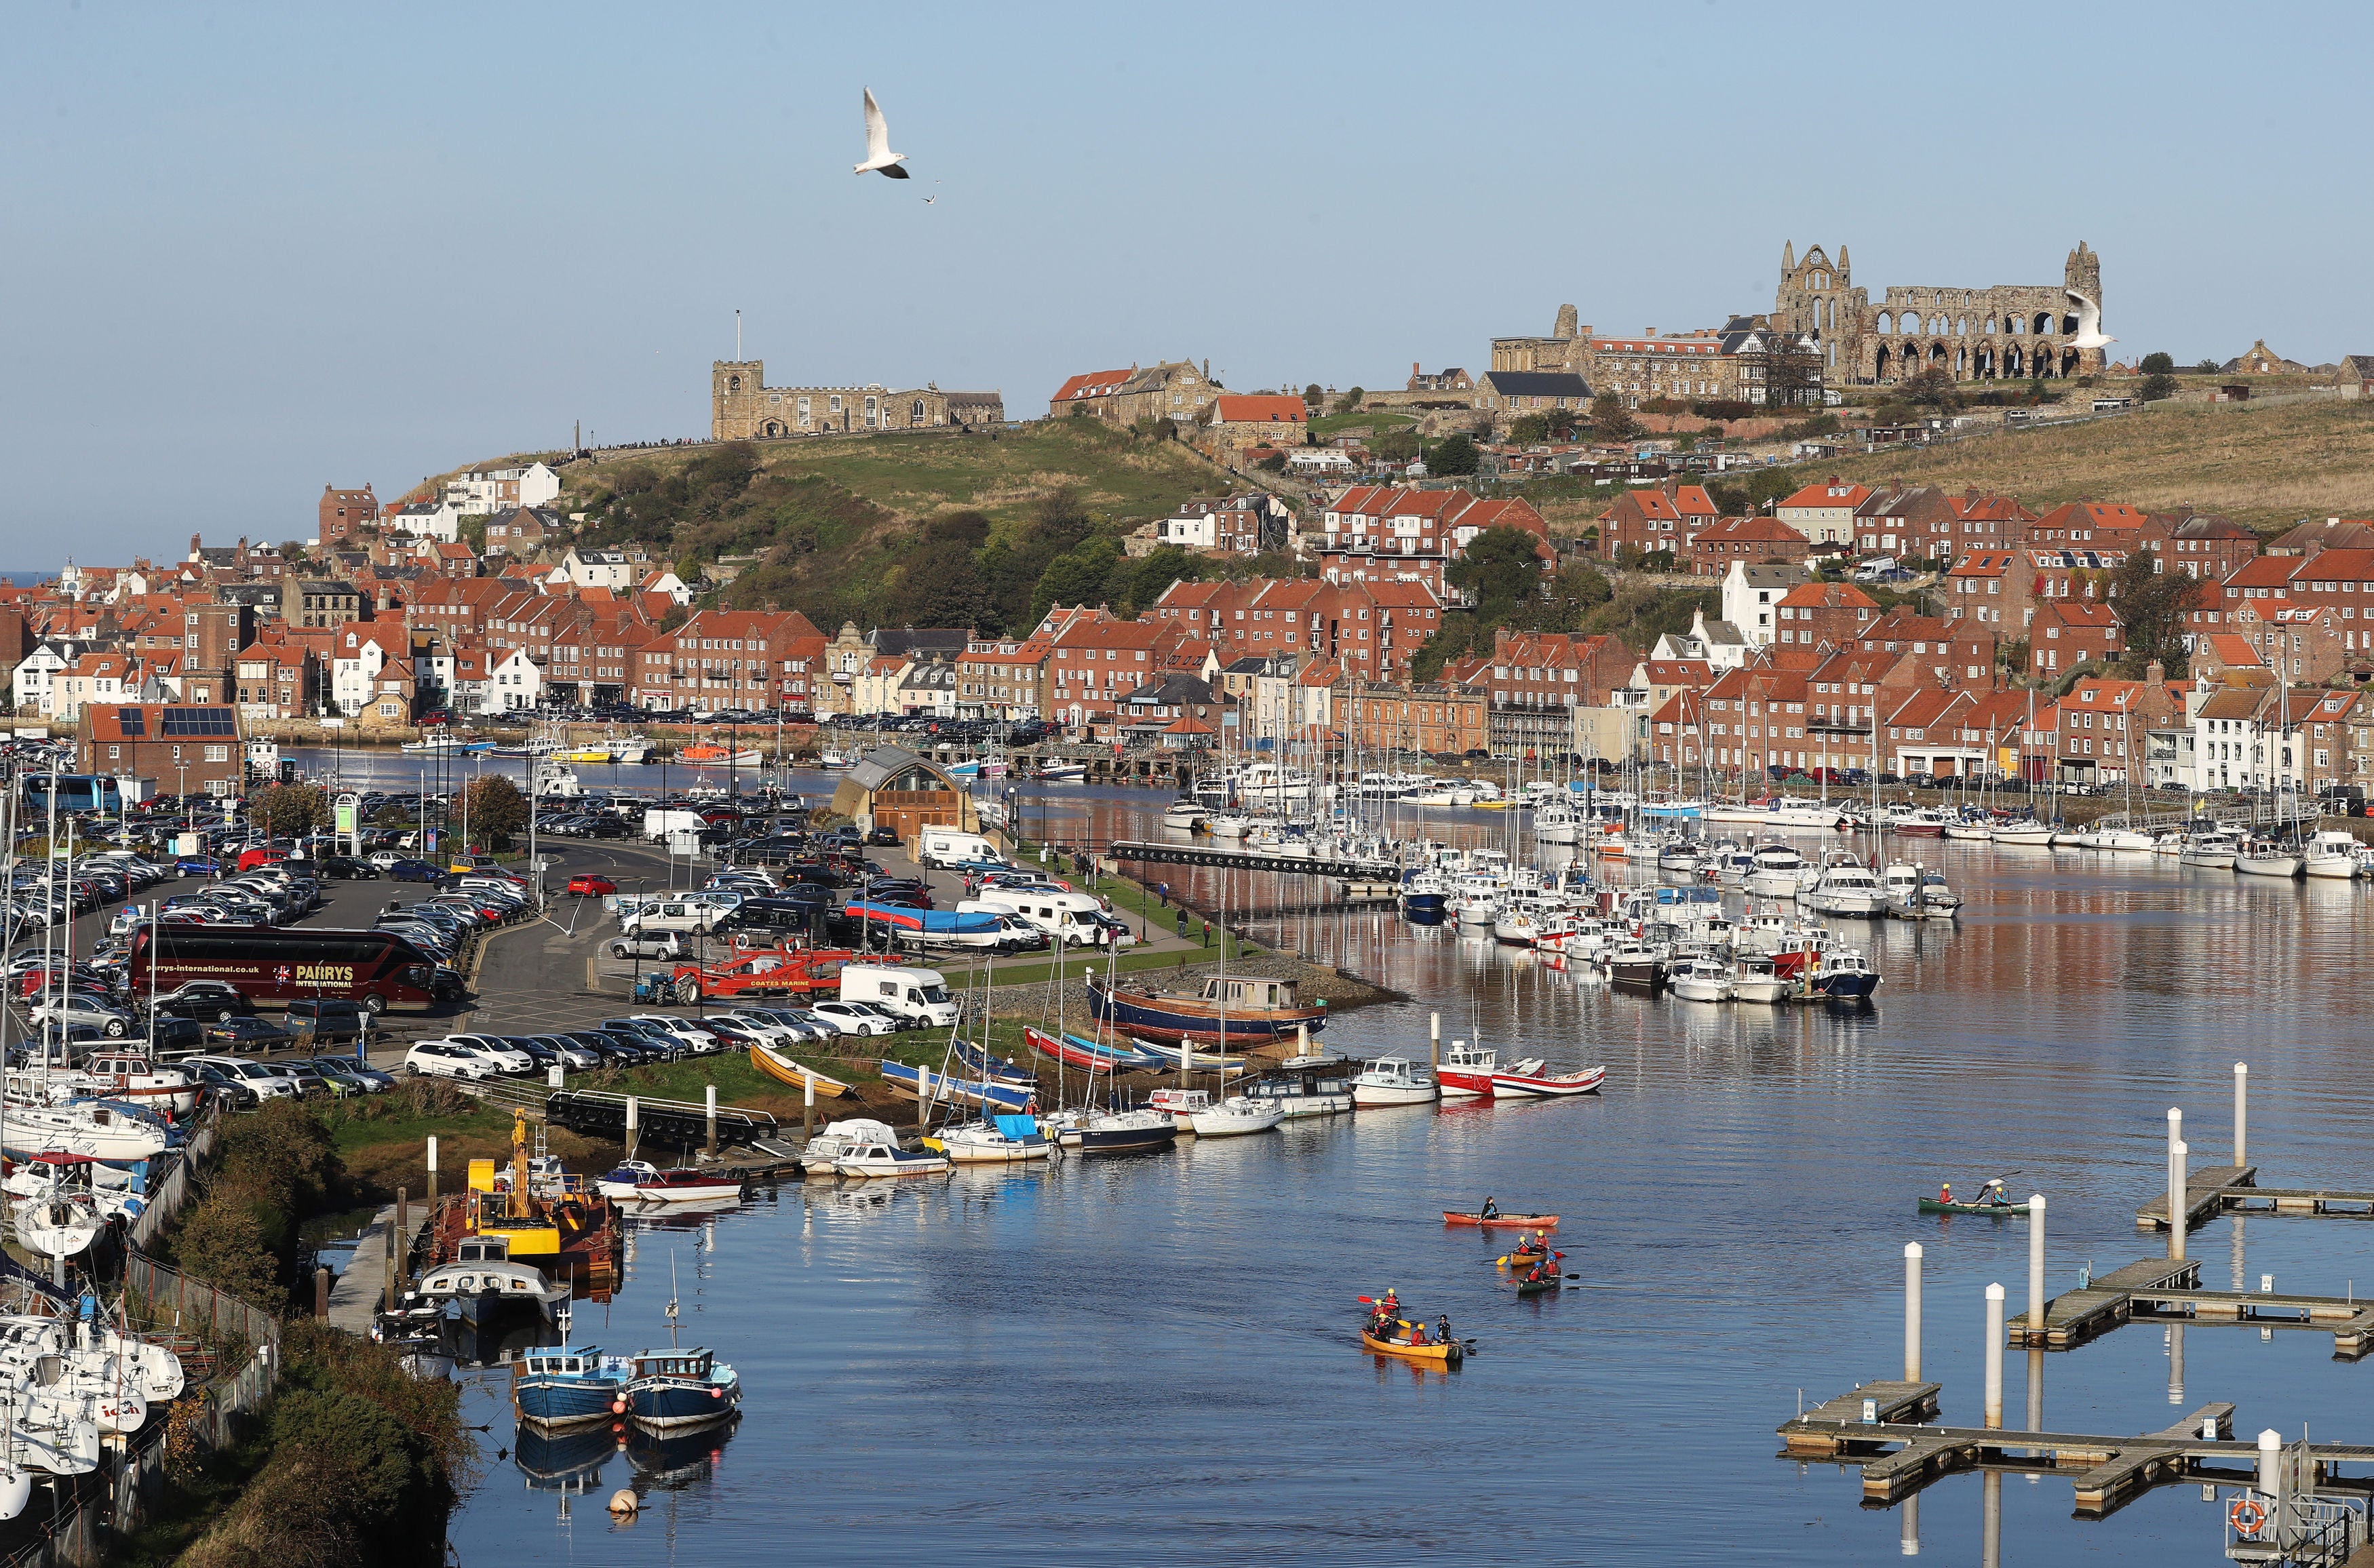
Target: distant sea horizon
27, 579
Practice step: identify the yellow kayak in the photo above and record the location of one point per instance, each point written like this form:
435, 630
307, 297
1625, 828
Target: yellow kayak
1448, 1351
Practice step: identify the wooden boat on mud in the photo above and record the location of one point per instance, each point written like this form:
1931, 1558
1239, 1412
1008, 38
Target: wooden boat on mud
1522, 1222
1232, 1011
1076, 1050
770, 1063
915, 1083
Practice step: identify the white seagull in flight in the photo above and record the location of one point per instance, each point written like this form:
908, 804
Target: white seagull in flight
2089, 322
879, 158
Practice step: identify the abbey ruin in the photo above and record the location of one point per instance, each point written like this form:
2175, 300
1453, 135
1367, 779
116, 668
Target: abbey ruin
2010, 332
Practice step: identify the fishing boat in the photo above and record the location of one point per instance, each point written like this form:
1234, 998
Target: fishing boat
1393, 1080
1992, 1211
1465, 1072
994, 1141
1756, 979
1635, 964
1305, 1086
1180, 1106
1701, 979
1518, 1222
483, 1276
773, 1063
1235, 1116
1231, 1009
886, 1159
668, 1390
1844, 975
565, 1385
1530, 1080
978, 767
917, 1082
683, 1186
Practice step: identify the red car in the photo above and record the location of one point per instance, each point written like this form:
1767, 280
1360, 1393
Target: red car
592, 886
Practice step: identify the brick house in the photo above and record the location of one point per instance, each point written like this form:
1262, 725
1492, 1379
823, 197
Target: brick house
1172, 390
1241, 420
2067, 633
185, 749
1758, 539
2090, 525
2198, 545
343, 513
1818, 614
1434, 718
1666, 518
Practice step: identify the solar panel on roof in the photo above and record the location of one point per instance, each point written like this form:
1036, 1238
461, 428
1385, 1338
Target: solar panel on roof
196, 722
132, 721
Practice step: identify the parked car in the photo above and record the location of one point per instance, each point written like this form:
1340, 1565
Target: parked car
209, 1001
248, 1034
854, 1018
414, 870
345, 868
370, 1078
76, 1008
198, 865
259, 1080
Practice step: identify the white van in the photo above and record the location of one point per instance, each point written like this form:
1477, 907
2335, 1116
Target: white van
658, 824
678, 914
1078, 917
949, 846
919, 996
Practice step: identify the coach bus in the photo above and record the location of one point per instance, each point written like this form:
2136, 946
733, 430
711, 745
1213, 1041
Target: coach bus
272, 966
75, 792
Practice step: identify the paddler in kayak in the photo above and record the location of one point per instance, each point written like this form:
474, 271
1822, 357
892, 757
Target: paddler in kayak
1992, 1195
1491, 1209
1944, 1192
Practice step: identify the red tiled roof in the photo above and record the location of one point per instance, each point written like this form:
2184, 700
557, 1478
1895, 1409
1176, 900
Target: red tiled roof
1240, 408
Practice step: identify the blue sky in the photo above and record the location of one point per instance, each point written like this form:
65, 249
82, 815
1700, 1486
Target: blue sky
254, 249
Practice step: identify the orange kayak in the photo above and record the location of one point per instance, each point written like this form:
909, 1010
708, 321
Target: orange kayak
1522, 1222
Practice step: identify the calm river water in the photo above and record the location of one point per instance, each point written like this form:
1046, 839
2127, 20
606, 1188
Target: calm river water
1156, 1360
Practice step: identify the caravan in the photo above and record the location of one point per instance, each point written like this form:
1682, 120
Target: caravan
1076, 918
951, 847
918, 996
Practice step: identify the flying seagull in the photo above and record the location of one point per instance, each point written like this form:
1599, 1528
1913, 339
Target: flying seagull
2089, 322
879, 158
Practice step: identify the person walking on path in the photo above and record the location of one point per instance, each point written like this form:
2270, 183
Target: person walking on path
1208, 933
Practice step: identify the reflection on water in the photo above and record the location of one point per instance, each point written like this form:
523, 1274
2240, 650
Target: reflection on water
1157, 1358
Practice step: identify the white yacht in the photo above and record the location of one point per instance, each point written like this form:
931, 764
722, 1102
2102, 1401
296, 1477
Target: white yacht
1235, 1116
1848, 890
2214, 851
1556, 822
1393, 1080
1703, 979
1189, 815
2332, 853
1916, 893
2264, 857
2027, 834
1756, 979
1775, 871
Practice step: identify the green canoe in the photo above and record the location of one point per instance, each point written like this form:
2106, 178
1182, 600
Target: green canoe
1536, 1287
1999, 1211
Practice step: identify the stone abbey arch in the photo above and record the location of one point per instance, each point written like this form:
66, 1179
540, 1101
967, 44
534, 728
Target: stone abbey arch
2019, 332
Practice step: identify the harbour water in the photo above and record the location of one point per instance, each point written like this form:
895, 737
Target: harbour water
1156, 1359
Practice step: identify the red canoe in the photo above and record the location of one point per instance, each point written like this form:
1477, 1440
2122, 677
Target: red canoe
1528, 1222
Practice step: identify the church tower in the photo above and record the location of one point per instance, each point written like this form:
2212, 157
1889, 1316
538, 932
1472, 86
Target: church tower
734, 397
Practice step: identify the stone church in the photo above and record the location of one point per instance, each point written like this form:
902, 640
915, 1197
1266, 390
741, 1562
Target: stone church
742, 407
2012, 331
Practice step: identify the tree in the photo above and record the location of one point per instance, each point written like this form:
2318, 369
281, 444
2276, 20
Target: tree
2208, 367
1788, 369
1350, 400
2151, 605
1454, 454
1612, 419
1530, 430
1562, 423
1933, 387
496, 808
1313, 395
1499, 569
1274, 463
2158, 364
1397, 446
2157, 388
288, 810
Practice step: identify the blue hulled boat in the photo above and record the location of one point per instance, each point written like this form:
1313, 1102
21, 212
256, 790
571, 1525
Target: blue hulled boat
1844, 975
915, 1082
560, 1386
670, 1389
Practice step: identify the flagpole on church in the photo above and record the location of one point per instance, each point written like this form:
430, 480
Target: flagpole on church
737, 334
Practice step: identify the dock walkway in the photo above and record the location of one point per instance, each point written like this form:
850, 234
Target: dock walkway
2093, 1309
1898, 1458
354, 1297
2205, 1196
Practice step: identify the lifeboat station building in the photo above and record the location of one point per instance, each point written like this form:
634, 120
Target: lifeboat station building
892, 787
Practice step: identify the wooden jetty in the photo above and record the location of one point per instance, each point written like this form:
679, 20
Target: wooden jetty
1900, 1458
2101, 1306
1246, 860
2204, 1191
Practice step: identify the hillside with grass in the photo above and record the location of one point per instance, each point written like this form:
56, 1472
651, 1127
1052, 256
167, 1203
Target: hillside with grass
2266, 466
932, 529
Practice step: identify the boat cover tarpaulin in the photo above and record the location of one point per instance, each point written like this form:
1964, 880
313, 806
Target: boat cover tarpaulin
939, 921
1016, 1126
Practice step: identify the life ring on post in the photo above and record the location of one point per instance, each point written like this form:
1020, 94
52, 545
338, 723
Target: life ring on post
2248, 1515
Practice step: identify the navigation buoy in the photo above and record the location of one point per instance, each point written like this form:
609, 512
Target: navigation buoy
625, 1501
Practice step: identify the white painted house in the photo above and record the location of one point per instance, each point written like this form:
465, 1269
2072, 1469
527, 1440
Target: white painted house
36, 685
484, 491
599, 568
513, 682
427, 519
358, 659
1749, 594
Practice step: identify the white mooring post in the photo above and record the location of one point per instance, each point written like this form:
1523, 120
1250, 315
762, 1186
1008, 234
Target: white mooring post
1434, 1045
634, 1122
1912, 1312
2241, 1110
1994, 1357
1909, 1541
2176, 1195
2271, 1461
2036, 1263
713, 1116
